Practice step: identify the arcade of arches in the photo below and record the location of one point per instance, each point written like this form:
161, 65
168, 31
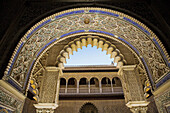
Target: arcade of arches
36, 79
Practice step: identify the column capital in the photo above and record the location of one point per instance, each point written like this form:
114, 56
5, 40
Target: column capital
53, 68
46, 105
131, 104
127, 67
138, 106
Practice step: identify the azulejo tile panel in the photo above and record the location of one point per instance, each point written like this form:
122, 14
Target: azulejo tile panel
10, 102
162, 101
109, 22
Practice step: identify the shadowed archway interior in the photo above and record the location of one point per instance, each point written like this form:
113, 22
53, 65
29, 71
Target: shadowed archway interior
142, 63
88, 108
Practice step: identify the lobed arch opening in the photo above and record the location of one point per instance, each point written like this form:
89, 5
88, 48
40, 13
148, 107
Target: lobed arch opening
110, 49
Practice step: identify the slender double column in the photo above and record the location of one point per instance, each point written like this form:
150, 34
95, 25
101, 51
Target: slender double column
49, 92
133, 91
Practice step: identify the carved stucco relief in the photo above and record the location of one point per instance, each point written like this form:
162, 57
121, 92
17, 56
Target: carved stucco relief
131, 85
162, 101
35, 40
11, 101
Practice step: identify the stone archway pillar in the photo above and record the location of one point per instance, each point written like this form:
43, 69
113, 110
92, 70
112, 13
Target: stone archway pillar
49, 94
133, 90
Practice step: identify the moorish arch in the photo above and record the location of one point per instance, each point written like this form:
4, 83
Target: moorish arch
32, 50
93, 41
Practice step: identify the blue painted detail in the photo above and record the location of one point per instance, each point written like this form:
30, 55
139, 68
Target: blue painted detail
10, 81
136, 24
79, 31
38, 27
103, 12
28, 74
168, 64
27, 77
34, 61
15, 57
8, 111
31, 90
150, 76
166, 78
159, 47
45, 46
98, 31
129, 45
69, 13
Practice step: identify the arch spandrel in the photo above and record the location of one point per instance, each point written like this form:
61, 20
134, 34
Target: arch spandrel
125, 28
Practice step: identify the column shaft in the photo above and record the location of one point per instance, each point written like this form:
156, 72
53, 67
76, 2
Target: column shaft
66, 86
89, 86
112, 86
100, 86
77, 86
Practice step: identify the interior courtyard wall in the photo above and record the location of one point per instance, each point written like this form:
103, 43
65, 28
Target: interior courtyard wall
66, 106
103, 106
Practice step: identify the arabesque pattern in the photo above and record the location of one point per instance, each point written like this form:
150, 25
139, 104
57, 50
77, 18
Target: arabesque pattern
72, 21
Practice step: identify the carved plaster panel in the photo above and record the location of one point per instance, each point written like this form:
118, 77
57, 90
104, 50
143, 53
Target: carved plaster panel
163, 101
109, 22
10, 102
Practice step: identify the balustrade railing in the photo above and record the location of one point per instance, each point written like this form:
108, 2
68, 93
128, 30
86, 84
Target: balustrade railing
94, 90
106, 89
71, 90
91, 90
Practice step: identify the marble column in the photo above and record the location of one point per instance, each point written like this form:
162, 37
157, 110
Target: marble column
78, 86
111, 85
100, 86
66, 86
89, 85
